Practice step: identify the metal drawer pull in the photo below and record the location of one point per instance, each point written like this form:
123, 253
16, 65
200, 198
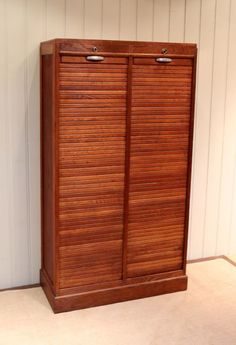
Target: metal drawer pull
94, 58
163, 60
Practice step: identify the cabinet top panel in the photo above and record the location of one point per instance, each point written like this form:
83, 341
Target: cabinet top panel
85, 46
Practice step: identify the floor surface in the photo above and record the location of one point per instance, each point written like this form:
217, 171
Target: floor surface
204, 314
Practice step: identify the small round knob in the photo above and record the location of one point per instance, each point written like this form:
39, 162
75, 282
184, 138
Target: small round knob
164, 50
95, 49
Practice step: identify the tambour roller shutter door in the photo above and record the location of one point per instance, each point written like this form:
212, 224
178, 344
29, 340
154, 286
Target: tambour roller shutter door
160, 125
92, 117
116, 141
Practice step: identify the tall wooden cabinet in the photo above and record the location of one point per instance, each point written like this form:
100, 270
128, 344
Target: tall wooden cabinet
116, 134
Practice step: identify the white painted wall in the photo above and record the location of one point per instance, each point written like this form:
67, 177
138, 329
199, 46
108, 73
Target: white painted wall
24, 23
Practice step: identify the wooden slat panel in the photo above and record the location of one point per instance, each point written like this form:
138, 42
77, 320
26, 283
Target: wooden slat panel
92, 67
90, 234
159, 161
90, 263
91, 172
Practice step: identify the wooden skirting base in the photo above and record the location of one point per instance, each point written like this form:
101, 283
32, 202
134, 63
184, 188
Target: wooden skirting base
111, 295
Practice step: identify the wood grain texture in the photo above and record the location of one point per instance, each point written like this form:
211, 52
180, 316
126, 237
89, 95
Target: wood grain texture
154, 246
91, 202
47, 167
116, 146
107, 296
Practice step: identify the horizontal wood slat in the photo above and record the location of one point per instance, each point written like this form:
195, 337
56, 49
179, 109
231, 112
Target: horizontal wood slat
90, 263
152, 61
83, 60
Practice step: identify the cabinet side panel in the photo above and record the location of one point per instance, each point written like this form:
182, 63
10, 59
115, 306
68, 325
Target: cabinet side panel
47, 164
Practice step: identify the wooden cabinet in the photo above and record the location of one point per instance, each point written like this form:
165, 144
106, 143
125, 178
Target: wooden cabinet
116, 134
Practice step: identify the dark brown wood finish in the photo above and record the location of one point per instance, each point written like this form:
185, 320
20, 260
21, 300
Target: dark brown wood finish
116, 162
48, 167
127, 166
114, 295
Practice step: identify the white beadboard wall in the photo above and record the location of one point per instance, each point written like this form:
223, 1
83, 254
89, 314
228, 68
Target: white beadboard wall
24, 23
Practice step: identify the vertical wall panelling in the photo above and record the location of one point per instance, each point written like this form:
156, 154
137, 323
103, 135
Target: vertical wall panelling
202, 125
111, 19
192, 34
231, 245
93, 19
216, 125
226, 216
35, 21
177, 20
145, 20
18, 146
74, 18
5, 243
231, 248
128, 17
55, 18
210, 23
161, 20
192, 21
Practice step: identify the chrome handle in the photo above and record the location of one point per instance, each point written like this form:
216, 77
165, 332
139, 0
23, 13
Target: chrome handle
163, 60
94, 58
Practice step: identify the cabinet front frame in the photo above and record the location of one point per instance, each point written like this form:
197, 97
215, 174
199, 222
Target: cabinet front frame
59, 48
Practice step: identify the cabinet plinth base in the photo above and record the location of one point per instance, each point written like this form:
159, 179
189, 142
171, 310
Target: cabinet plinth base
111, 295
